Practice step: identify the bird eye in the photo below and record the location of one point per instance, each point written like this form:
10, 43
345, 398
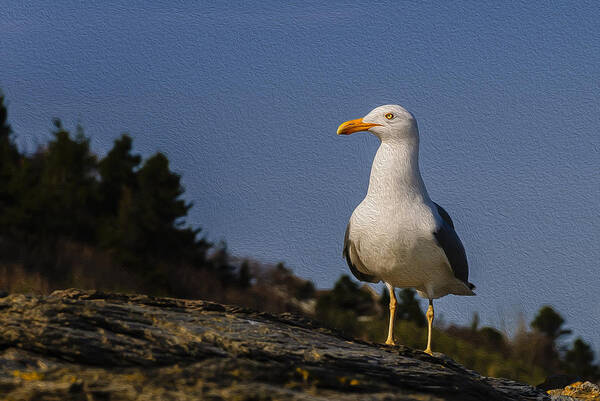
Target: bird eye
389, 116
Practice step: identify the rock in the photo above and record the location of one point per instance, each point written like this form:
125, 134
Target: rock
87, 345
577, 391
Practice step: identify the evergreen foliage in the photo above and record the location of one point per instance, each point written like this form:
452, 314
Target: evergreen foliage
8, 161
221, 265
579, 360
67, 189
117, 174
62, 192
244, 275
407, 308
549, 323
67, 215
342, 306
305, 291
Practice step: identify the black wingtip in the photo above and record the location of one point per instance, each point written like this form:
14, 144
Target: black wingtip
471, 286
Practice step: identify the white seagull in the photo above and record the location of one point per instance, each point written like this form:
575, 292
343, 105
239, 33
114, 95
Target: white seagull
397, 234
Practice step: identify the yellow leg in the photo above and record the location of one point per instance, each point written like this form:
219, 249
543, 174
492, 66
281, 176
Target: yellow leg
430, 324
390, 337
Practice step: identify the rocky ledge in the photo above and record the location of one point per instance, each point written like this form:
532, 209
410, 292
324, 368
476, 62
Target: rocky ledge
87, 345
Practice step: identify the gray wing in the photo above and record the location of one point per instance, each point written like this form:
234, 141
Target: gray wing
445, 215
448, 240
354, 263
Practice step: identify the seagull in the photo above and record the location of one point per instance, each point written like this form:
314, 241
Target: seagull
397, 234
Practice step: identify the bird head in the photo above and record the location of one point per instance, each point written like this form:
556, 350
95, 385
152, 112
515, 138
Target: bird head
389, 123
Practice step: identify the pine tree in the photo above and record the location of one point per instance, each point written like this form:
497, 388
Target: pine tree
549, 322
117, 171
579, 361
123, 235
220, 264
9, 157
346, 294
161, 208
149, 226
117, 228
305, 291
8, 150
21, 218
244, 275
66, 194
409, 308
340, 307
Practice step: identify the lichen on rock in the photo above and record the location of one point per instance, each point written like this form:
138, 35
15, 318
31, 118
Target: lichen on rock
579, 391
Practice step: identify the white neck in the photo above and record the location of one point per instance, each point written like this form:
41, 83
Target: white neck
395, 172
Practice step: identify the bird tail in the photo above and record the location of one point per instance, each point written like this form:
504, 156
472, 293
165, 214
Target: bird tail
465, 288
471, 287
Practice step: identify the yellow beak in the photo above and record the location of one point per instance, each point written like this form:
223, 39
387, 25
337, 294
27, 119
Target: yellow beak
352, 126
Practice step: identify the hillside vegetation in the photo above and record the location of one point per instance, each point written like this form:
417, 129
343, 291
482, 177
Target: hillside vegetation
69, 218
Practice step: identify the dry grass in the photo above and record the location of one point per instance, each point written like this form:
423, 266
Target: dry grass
80, 266
14, 278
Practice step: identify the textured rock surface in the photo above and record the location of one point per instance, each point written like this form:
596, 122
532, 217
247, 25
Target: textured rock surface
579, 391
84, 345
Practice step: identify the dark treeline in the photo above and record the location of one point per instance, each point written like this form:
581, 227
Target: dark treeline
63, 193
71, 219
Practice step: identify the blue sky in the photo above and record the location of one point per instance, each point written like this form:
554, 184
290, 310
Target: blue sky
245, 100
